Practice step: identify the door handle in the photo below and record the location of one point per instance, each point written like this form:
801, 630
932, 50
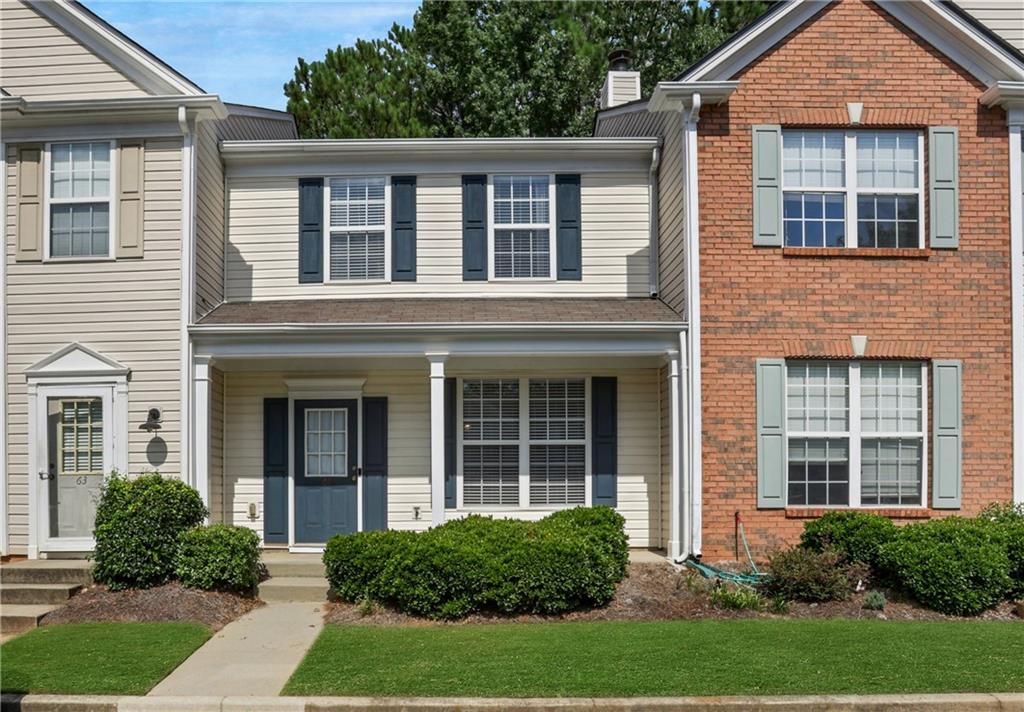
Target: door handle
44, 475
357, 472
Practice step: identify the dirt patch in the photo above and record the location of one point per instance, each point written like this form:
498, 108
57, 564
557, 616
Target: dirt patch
663, 592
170, 602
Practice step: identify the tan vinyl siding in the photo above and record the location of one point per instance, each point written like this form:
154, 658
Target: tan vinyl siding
127, 310
263, 243
1004, 17
209, 220
641, 123
42, 61
665, 451
408, 393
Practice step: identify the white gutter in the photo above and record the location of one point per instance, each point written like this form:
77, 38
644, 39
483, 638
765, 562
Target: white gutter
208, 103
186, 311
653, 220
429, 328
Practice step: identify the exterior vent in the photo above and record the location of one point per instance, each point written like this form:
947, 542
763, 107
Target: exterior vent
622, 85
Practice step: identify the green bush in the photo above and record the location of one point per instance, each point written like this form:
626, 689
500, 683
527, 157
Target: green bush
219, 558
874, 601
800, 574
1009, 519
139, 524
855, 536
568, 560
734, 598
952, 565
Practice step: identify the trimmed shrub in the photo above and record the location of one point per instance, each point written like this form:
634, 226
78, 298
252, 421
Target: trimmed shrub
799, 574
566, 561
953, 565
1009, 519
855, 536
735, 598
139, 524
219, 557
874, 601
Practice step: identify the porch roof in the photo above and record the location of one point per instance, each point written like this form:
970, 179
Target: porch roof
427, 312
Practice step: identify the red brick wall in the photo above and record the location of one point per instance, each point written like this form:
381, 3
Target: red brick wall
760, 302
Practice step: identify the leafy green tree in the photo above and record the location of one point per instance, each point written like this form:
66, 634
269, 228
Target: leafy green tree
500, 68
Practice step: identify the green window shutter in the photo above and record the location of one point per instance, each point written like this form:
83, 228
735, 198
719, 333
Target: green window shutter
767, 146
944, 186
947, 426
771, 433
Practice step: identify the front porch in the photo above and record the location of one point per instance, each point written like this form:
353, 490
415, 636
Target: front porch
302, 433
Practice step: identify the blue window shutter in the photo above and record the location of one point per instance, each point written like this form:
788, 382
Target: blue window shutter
767, 148
451, 442
947, 426
944, 186
375, 463
568, 228
605, 446
403, 229
311, 230
771, 433
474, 228
275, 470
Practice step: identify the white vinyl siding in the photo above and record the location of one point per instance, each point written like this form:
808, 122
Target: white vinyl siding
1004, 17
262, 254
42, 61
408, 393
127, 310
853, 188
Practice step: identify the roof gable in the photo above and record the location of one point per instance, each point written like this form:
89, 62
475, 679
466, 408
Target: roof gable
966, 43
61, 50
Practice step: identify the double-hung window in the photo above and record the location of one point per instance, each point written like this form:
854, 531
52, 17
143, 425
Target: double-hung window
853, 188
855, 433
80, 192
521, 208
357, 234
524, 442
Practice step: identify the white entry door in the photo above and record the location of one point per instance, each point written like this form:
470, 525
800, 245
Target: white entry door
73, 455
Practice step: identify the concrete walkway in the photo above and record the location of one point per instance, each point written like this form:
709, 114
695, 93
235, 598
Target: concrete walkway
253, 656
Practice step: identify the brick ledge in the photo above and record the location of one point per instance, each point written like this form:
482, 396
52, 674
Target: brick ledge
894, 513
849, 252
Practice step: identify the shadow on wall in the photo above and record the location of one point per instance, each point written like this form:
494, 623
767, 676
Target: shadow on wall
638, 269
239, 275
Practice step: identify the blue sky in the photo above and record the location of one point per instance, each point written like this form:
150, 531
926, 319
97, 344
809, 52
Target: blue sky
245, 51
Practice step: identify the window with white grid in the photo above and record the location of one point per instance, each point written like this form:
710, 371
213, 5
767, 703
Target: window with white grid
558, 441
80, 192
490, 436
81, 437
521, 216
326, 442
855, 433
358, 228
852, 188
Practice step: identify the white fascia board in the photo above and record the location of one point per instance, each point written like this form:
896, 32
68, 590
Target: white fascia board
202, 105
200, 330
135, 63
1009, 95
673, 96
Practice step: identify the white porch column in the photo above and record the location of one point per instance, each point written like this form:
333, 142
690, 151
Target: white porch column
676, 545
200, 452
437, 361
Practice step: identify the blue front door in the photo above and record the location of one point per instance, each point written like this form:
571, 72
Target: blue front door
326, 468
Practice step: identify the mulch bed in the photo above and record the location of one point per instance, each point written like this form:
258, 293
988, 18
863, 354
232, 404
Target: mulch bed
170, 602
663, 592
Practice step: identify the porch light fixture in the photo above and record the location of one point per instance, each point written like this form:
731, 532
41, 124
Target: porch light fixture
153, 421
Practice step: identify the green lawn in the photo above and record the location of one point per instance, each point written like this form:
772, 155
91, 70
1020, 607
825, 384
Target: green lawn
97, 658
742, 657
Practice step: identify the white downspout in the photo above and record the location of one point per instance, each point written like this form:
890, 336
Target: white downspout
653, 222
692, 222
1015, 120
187, 236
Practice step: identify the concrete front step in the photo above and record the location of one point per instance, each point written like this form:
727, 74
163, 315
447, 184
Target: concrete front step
36, 593
311, 565
44, 571
294, 589
19, 617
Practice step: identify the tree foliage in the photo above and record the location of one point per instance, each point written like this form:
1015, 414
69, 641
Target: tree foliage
501, 68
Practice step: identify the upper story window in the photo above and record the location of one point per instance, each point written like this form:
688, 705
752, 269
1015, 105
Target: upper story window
837, 185
521, 209
80, 193
357, 246
856, 433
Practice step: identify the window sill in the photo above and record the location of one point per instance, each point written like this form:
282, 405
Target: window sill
892, 512
875, 252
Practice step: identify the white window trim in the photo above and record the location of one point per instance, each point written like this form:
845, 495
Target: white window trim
852, 190
111, 201
855, 436
549, 226
524, 441
327, 229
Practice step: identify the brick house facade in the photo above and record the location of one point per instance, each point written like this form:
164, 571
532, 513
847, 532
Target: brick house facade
915, 304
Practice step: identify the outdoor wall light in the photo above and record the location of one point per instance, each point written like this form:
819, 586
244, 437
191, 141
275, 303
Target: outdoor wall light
152, 420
